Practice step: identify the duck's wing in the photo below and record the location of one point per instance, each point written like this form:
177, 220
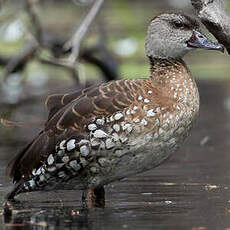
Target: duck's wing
69, 117
55, 102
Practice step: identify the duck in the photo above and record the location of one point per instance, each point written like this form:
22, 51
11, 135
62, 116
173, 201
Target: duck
113, 130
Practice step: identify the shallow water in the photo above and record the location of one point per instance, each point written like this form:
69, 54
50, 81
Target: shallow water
189, 191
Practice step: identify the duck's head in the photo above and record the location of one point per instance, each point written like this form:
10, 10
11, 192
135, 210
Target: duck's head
172, 35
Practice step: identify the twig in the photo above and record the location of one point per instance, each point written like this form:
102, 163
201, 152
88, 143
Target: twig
80, 33
61, 63
8, 123
32, 10
18, 62
214, 16
21, 59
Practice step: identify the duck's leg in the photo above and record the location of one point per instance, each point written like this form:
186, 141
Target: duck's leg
7, 212
94, 197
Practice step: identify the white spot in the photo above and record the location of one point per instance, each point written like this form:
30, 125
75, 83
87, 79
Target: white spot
74, 165
146, 100
93, 169
100, 134
94, 142
115, 137
145, 107
50, 159
65, 159
83, 142
178, 107
144, 122
32, 183
148, 137
135, 107
38, 172
123, 139
59, 165
136, 120
83, 161
172, 88
170, 116
84, 150
116, 127
157, 121
100, 121
158, 110
109, 143
118, 116
42, 178
128, 112
111, 118
102, 145
62, 145
164, 116
150, 113
133, 112
61, 174
175, 95
70, 145
150, 92
34, 172
127, 127
168, 202
51, 169
92, 127
140, 98
155, 135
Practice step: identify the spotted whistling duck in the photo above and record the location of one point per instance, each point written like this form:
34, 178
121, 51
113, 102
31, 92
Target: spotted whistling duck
113, 130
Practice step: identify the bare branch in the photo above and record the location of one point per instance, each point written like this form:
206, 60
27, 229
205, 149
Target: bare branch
32, 10
64, 63
80, 33
18, 62
214, 16
8, 123
21, 59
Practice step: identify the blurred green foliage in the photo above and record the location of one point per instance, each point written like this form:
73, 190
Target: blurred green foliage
122, 22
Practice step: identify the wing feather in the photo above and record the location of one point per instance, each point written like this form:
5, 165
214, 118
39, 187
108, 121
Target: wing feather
68, 116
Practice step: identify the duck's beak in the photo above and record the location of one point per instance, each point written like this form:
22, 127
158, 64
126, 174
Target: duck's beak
198, 40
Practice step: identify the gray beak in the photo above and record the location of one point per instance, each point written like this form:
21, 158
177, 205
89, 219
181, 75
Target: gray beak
198, 40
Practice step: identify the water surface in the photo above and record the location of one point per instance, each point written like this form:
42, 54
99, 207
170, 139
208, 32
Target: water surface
189, 191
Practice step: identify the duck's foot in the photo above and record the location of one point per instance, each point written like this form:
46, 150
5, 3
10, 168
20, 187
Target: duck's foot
93, 198
7, 211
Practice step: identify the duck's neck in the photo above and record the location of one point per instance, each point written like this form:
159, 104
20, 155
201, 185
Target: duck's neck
163, 70
174, 77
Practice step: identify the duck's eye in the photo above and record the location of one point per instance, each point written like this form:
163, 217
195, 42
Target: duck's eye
178, 24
